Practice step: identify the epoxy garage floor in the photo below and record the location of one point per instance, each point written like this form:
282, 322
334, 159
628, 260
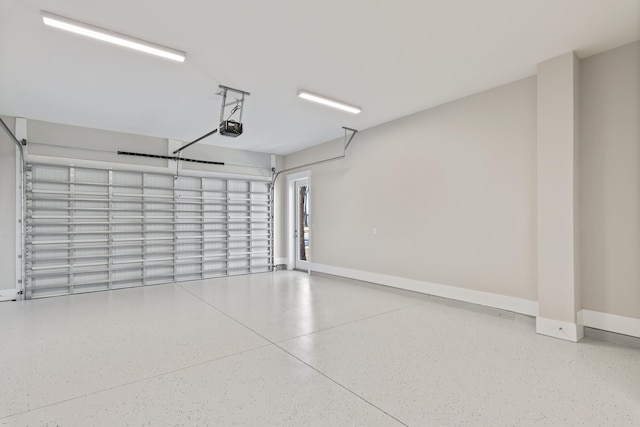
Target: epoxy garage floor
286, 348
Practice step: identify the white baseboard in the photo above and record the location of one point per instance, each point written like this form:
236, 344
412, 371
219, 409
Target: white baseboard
611, 322
558, 329
8, 294
573, 332
517, 305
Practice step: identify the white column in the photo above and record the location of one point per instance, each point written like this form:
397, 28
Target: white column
559, 300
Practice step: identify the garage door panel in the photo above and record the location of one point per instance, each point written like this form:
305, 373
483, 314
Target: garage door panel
95, 229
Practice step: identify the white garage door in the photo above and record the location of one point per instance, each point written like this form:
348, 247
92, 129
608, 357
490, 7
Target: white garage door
97, 229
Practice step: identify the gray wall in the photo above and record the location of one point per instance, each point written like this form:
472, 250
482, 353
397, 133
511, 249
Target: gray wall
8, 223
451, 192
610, 181
57, 140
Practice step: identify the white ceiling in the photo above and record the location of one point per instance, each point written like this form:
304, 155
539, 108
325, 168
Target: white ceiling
391, 58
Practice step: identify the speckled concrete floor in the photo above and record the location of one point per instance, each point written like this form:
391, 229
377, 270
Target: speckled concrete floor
291, 349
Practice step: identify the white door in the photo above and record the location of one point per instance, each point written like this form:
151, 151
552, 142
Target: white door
301, 226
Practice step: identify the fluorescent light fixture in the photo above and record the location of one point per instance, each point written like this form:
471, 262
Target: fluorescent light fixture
329, 102
111, 37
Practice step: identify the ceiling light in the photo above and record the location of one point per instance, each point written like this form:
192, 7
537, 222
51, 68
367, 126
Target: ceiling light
111, 37
329, 102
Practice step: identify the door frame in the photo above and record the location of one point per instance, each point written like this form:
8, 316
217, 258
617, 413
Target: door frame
292, 179
299, 234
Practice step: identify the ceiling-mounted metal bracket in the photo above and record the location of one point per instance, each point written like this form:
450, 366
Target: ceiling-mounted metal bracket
225, 130
238, 102
344, 154
346, 131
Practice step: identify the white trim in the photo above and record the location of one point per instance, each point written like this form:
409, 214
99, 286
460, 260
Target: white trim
298, 263
21, 134
17, 220
297, 176
291, 214
555, 328
95, 164
517, 305
611, 322
573, 332
8, 295
21, 129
